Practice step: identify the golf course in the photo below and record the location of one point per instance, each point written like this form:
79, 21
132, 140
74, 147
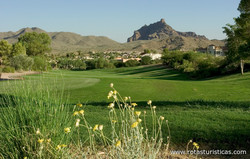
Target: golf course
212, 112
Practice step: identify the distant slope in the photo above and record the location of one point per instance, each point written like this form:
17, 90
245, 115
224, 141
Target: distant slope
156, 36
66, 41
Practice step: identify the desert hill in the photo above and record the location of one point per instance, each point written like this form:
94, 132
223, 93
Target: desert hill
161, 35
155, 36
66, 41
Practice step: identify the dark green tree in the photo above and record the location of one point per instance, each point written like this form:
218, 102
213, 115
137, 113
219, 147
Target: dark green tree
146, 60
5, 51
35, 44
238, 36
18, 49
5, 48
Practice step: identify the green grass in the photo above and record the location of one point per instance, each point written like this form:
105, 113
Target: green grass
213, 112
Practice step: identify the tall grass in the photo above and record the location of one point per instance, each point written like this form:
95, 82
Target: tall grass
35, 123
29, 107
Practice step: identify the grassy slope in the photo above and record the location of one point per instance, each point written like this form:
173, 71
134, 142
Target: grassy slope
213, 111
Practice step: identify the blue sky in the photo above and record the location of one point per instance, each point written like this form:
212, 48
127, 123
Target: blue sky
117, 19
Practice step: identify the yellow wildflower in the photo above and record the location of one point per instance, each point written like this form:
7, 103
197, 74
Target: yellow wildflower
49, 140
38, 131
110, 94
134, 104
134, 124
81, 112
118, 143
100, 127
67, 130
40, 140
111, 85
75, 113
25, 157
113, 121
139, 120
161, 117
149, 102
95, 128
58, 147
115, 92
79, 105
196, 145
63, 145
154, 107
77, 122
126, 98
111, 105
138, 113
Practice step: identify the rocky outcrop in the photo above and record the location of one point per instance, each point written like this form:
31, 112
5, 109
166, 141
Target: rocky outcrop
160, 30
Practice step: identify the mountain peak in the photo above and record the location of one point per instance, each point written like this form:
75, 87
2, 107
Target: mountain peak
163, 21
160, 30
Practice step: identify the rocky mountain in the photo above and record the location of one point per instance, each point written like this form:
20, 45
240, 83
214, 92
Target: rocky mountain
66, 41
160, 30
155, 36
160, 35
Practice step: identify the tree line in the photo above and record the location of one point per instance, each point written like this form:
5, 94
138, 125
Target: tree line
28, 53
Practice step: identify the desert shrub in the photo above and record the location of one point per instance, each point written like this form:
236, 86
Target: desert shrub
8, 69
146, 60
40, 64
197, 65
79, 65
131, 63
119, 64
22, 62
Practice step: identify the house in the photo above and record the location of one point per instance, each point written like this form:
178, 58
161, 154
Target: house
125, 60
215, 50
153, 56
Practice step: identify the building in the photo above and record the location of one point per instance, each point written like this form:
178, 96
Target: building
216, 50
153, 56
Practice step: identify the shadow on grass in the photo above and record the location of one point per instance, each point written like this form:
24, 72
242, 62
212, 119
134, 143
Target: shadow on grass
188, 104
156, 72
160, 71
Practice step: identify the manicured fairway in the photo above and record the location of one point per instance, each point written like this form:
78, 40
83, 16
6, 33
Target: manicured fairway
213, 112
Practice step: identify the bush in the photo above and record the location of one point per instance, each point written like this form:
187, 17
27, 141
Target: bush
21, 62
146, 60
195, 64
131, 63
40, 64
8, 69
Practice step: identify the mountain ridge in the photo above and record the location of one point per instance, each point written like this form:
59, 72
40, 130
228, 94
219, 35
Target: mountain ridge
160, 30
155, 36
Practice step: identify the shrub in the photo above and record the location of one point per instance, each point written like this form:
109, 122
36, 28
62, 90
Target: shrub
146, 60
21, 62
8, 69
131, 63
40, 64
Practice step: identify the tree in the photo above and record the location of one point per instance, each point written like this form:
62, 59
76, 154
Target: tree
21, 62
18, 49
35, 44
5, 50
238, 36
146, 60
40, 64
131, 63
